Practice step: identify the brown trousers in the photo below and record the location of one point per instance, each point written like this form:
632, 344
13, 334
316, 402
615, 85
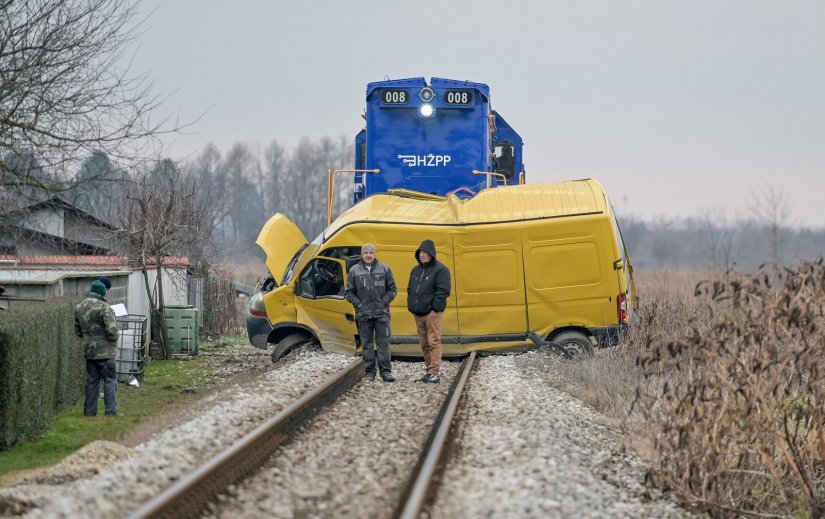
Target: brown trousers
429, 337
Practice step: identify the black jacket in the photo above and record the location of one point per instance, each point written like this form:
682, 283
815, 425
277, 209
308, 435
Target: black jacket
429, 285
371, 291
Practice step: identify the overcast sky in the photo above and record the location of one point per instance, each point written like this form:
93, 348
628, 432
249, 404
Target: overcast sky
676, 107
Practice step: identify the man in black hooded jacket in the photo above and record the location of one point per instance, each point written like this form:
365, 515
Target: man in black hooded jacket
427, 294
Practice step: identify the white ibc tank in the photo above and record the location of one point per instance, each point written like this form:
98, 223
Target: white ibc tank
128, 354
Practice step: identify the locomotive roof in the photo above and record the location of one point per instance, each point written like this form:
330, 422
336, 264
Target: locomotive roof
500, 204
437, 82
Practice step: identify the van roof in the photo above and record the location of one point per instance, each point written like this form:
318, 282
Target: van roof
500, 204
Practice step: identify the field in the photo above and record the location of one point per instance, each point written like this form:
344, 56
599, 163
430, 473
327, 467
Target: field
721, 386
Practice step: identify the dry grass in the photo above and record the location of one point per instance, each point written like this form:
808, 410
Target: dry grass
609, 380
723, 375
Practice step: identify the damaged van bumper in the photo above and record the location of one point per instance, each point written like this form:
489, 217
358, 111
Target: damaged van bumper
257, 328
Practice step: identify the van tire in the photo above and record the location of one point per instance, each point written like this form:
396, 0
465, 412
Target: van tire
287, 343
576, 344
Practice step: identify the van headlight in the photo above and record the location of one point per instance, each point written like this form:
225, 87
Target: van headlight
257, 306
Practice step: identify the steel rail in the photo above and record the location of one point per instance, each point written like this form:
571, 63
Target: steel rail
417, 491
189, 496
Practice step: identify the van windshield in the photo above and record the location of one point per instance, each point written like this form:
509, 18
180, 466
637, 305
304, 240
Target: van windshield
306, 250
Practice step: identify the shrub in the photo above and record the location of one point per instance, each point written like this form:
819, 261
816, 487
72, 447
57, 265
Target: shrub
739, 419
42, 367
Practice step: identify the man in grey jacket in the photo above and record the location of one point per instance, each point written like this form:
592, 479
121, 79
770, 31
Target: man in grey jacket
370, 289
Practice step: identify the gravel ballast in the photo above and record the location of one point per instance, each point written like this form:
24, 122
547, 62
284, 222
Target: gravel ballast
525, 450
354, 459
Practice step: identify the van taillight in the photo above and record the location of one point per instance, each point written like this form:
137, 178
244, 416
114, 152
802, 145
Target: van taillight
256, 305
621, 307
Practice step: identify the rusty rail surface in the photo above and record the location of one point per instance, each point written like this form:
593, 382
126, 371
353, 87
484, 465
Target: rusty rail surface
417, 491
189, 496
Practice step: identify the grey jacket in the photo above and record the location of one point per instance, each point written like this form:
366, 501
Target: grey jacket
371, 291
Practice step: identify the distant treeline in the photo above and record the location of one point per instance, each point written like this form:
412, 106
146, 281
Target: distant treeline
249, 183
710, 241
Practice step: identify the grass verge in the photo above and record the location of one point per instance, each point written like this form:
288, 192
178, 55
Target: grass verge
167, 385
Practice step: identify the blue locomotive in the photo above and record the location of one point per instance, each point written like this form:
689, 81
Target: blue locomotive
440, 138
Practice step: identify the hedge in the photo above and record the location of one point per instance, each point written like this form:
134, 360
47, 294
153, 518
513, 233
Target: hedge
42, 368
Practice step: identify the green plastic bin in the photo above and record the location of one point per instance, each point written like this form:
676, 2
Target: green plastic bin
182, 326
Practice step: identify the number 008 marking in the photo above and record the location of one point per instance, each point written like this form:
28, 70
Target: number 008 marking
395, 97
458, 97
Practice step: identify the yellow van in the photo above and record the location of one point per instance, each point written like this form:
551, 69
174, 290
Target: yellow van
542, 260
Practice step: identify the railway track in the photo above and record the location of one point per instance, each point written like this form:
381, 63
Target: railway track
201, 490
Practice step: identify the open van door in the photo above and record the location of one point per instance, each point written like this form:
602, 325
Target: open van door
320, 304
280, 239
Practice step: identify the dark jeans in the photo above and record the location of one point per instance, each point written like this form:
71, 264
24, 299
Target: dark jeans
97, 370
367, 328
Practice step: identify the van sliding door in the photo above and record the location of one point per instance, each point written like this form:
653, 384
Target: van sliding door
489, 284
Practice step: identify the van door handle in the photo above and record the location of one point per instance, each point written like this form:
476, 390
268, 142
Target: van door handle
618, 264
350, 317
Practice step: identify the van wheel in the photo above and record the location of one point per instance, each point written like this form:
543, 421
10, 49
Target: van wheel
287, 343
575, 344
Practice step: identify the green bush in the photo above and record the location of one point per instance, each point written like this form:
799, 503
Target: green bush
42, 368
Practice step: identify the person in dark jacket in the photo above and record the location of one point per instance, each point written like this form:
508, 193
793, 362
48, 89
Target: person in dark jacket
427, 295
95, 323
370, 289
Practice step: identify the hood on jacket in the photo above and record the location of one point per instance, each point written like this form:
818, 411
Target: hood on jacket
427, 246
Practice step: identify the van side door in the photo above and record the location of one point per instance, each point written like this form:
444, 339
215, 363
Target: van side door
489, 284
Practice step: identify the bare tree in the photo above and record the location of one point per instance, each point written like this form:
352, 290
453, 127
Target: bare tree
207, 170
770, 209
666, 248
165, 216
241, 168
717, 237
65, 93
275, 168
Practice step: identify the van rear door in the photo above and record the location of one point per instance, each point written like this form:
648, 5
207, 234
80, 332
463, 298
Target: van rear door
626, 298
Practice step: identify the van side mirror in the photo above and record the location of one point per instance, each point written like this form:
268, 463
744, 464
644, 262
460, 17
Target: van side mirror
618, 264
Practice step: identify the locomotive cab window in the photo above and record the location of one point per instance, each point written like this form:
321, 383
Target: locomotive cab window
505, 160
321, 278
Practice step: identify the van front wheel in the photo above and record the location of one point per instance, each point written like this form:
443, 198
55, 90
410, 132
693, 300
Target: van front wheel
575, 344
287, 343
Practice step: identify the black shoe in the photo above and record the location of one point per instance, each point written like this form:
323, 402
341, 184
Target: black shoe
388, 377
370, 376
425, 378
434, 379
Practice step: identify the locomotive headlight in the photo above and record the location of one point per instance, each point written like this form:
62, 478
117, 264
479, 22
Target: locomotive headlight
426, 110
